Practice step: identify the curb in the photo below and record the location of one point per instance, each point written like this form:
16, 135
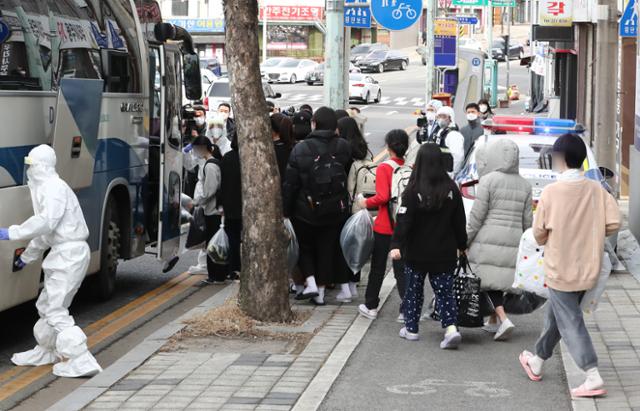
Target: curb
319, 387
96, 386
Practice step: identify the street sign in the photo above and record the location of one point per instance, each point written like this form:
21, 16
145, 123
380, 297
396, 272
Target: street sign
357, 16
503, 3
629, 20
5, 32
445, 51
470, 3
396, 14
475, 62
473, 20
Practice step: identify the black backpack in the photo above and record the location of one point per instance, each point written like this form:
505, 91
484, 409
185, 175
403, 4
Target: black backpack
327, 191
441, 140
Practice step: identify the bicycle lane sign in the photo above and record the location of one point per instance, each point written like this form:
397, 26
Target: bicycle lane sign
396, 14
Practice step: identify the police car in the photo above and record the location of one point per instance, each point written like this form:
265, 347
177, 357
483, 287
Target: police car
535, 138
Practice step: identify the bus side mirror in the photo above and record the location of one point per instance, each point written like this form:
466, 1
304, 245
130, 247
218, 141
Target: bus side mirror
192, 80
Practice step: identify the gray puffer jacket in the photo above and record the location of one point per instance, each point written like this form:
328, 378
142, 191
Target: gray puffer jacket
500, 214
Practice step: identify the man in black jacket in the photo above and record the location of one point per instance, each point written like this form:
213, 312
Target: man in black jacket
231, 193
317, 222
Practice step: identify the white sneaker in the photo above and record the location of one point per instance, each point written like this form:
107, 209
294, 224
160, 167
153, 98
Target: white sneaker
491, 327
408, 335
451, 341
504, 331
353, 287
365, 312
197, 270
343, 297
400, 318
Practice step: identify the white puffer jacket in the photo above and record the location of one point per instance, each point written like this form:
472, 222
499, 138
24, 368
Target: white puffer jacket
501, 212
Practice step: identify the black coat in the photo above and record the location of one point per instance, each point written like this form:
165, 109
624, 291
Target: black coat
301, 162
429, 239
282, 157
231, 185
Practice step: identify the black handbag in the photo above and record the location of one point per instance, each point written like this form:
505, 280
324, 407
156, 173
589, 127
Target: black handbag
197, 235
524, 303
473, 304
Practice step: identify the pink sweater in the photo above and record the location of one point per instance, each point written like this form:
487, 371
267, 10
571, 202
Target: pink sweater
571, 221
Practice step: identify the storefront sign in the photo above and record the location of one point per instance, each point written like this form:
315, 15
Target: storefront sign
199, 25
557, 13
503, 3
470, 3
292, 13
287, 37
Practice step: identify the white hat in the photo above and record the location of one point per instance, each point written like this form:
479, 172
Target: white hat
435, 103
448, 111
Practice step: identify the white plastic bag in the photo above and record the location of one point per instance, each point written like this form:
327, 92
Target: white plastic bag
293, 250
356, 240
529, 275
592, 297
218, 247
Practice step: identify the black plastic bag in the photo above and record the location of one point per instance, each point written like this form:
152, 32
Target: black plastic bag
197, 235
524, 303
473, 304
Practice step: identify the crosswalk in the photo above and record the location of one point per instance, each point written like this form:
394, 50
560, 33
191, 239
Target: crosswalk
385, 101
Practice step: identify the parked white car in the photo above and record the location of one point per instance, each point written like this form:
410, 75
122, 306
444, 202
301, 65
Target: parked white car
220, 92
288, 70
364, 88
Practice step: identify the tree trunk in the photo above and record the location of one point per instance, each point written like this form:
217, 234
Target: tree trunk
264, 293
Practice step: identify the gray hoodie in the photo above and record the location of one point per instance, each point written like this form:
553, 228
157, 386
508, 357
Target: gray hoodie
500, 214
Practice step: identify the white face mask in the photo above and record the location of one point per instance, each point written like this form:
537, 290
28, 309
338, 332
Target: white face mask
472, 117
431, 116
200, 121
216, 133
224, 115
483, 108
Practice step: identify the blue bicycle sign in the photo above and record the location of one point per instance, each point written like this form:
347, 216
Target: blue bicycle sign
396, 14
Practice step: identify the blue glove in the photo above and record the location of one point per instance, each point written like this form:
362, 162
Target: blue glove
187, 148
19, 264
4, 233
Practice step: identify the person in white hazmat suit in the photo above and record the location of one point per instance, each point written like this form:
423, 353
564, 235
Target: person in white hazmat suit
59, 225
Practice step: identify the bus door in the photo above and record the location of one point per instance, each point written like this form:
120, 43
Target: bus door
170, 151
75, 131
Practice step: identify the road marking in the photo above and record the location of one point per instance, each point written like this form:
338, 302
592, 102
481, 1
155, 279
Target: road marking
390, 113
430, 386
383, 153
367, 134
102, 329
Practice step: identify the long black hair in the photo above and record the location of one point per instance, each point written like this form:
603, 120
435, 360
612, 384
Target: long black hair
429, 180
349, 130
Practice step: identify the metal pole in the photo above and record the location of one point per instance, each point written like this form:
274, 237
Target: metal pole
334, 87
429, 48
489, 29
508, 46
264, 31
605, 93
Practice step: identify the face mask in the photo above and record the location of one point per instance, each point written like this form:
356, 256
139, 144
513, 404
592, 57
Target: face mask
216, 133
483, 108
443, 123
224, 116
431, 116
199, 121
472, 117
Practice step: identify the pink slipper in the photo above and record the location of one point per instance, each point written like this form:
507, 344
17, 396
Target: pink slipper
582, 392
524, 361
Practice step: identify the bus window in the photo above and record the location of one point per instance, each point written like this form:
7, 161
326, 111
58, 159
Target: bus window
118, 72
79, 63
14, 68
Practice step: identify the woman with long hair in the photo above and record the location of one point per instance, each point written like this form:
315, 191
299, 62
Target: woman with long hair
349, 130
282, 134
429, 235
485, 109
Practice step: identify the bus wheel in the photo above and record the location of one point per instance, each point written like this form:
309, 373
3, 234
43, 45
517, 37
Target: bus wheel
105, 279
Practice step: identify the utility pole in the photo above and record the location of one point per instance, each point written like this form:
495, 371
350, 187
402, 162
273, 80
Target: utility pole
429, 48
605, 93
507, 46
264, 31
334, 87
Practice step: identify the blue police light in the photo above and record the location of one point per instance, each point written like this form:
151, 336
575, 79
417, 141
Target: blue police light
554, 126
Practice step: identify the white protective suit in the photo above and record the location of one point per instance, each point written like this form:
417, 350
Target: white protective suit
58, 224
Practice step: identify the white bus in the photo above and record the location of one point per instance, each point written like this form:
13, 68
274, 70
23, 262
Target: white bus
100, 81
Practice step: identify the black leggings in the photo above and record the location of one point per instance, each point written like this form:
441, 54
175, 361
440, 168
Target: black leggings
497, 298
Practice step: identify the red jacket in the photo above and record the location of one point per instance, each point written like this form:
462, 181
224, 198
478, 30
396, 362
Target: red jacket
384, 174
